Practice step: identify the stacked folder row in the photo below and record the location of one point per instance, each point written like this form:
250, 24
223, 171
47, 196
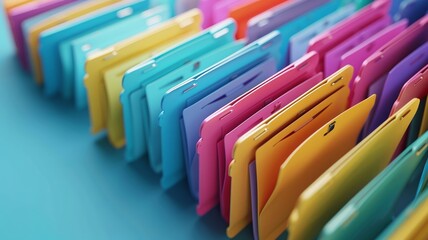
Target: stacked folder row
302, 117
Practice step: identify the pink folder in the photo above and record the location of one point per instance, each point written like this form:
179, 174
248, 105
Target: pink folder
333, 56
416, 87
210, 146
383, 60
345, 29
357, 55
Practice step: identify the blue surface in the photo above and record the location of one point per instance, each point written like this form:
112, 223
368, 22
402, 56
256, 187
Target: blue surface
59, 182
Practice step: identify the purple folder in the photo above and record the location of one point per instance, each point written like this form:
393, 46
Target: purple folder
194, 115
397, 77
332, 59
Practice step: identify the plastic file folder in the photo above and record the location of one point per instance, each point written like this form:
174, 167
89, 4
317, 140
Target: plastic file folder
345, 29
112, 78
304, 165
157, 89
315, 100
195, 114
31, 23
332, 57
194, 89
232, 137
356, 56
381, 201
215, 155
82, 47
303, 119
140, 115
19, 14
186, 24
51, 39
57, 19
384, 59
397, 77
347, 176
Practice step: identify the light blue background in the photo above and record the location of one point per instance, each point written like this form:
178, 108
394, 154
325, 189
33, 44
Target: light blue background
59, 182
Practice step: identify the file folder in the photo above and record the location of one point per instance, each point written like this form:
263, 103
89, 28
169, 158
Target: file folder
215, 127
68, 15
28, 25
193, 89
305, 164
138, 125
396, 79
97, 63
157, 89
333, 56
195, 114
384, 59
51, 39
330, 192
233, 136
356, 56
113, 86
345, 29
376, 205
333, 87
19, 14
82, 47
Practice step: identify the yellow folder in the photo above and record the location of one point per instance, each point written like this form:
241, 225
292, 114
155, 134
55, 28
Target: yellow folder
305, 164
57, 19
9, 4
333, 88
105, 68
424, 124
330, 192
